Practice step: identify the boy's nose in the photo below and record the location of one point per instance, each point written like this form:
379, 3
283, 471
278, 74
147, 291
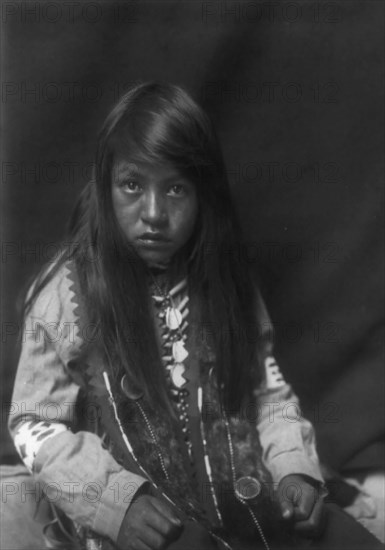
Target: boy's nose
154, 210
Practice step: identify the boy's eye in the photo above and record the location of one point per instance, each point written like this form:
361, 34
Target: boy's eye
130, 186
177, 190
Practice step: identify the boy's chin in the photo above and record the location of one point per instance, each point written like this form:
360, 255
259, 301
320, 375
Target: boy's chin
156, 262
158, 265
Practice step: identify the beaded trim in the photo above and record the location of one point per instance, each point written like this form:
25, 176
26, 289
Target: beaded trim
31, 435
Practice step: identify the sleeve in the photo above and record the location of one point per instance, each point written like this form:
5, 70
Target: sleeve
73, 469
287, 438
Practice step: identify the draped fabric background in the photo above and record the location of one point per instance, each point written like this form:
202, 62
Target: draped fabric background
295, 90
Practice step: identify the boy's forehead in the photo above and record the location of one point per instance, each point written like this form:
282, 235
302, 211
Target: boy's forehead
134, 166
123, 165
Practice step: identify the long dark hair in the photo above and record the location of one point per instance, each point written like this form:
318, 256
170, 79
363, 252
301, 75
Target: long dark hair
165, 125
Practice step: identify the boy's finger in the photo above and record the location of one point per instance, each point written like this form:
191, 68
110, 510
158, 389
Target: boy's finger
152, 539
305, 504
166, 510
287, 509
314, 524
140, 545
164, 520
290, 490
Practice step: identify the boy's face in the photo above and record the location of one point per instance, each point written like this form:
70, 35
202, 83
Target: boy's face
155, 207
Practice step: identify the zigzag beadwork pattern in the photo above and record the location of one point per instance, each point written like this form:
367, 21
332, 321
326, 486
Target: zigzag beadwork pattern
78, 310
30, 437
274, 378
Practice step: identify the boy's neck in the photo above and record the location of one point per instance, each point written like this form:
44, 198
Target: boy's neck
168, 275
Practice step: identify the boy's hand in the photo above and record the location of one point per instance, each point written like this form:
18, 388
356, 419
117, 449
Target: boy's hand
301, 502
148, 524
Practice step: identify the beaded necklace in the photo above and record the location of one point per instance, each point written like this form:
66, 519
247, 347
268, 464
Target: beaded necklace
173, 327
174, 337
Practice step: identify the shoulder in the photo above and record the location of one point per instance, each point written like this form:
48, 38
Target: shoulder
59, 295
58, 307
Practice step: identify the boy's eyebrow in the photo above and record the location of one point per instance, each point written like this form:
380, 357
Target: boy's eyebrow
175, 177
129, 168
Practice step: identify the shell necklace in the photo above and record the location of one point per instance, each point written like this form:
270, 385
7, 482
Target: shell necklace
174, 338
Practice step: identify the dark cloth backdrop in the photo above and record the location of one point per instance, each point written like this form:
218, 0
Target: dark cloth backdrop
295, 89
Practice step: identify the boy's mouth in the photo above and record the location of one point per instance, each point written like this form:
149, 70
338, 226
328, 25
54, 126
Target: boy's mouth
153, 238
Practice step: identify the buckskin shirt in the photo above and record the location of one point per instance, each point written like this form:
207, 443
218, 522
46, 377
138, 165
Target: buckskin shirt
78, 469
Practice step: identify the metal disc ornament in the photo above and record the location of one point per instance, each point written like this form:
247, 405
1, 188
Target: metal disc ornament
176, 375
130, 390
173, 318
247, 488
